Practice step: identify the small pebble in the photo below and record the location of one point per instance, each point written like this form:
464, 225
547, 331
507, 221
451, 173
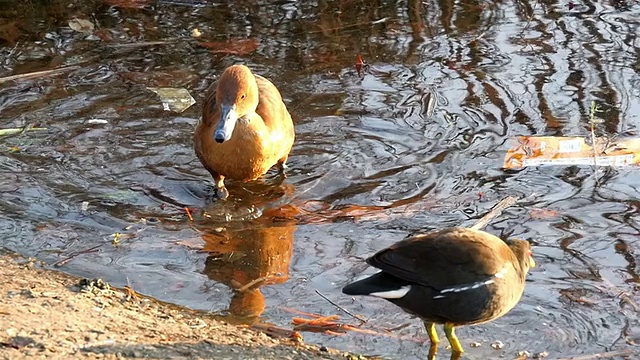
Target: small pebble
324, 348
28, 293
497, 345
541, 355
523, 354
475, 344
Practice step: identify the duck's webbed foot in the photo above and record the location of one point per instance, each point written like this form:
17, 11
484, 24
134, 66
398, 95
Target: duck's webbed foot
221, 191
282, 167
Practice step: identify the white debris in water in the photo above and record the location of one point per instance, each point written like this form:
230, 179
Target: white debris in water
97, 121
497, 345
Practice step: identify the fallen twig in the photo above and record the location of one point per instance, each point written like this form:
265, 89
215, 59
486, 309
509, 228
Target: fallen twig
70, 257
300, 312
495, 211
350, 26
186, 209
37, 74
251, 283
120, 237
143, 44
13, 131
328, 325
341, 308
592, 123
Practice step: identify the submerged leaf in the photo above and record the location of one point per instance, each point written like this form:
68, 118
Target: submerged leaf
174, 99
82, 26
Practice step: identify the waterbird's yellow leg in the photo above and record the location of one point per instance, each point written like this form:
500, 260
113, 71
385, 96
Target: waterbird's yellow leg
431, 331
433, 351
449, 331
433, 336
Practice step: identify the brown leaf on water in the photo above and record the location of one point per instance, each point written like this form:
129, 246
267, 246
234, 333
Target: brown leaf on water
232, 47
81, 25
541, 214
275, 331
103, 34
128, 4
359, 64
327, 325
578, 296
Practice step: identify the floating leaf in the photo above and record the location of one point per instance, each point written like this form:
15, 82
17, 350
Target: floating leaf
539, 214
82, 26
174, 99
359, 64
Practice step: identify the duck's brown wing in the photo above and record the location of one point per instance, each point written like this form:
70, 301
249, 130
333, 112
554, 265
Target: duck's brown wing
271, 108
209, 107
445, 258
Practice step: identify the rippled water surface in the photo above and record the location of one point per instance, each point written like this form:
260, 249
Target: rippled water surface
371, 163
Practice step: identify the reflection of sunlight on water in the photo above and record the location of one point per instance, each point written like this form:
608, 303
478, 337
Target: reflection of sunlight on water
368, 166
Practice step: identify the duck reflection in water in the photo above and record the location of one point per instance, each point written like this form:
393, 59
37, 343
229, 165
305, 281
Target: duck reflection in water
246, 256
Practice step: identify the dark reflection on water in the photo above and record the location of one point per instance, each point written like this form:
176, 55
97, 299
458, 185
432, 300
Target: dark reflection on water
371, 163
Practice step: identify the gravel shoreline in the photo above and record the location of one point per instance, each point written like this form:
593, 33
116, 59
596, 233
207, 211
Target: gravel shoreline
49, 314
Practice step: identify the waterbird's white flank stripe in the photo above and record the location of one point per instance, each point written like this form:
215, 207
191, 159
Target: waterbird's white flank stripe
463, 288
393, 294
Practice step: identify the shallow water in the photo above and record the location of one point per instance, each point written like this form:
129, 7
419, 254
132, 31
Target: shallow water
370, 164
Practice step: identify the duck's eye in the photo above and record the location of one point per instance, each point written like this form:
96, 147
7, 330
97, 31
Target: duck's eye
243, 96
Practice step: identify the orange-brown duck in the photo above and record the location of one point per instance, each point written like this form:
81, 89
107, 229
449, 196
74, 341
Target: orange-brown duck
455, 276
245, 128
